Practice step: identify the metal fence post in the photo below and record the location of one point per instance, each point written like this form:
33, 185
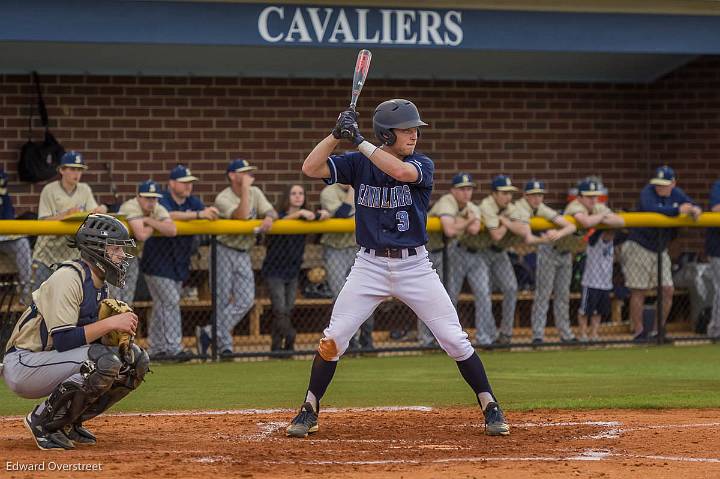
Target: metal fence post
659, 303
445, 262
213, 295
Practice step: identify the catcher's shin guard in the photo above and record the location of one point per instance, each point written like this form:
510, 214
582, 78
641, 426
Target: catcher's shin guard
131, 376
67, 403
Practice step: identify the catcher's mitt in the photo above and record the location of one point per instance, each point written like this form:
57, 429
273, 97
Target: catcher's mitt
111, 307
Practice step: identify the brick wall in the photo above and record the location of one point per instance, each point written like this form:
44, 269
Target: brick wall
142, 126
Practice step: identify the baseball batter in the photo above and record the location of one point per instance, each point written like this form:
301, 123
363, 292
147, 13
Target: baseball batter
55, 350
392, 186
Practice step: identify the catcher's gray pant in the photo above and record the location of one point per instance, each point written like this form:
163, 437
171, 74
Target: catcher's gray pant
425, 336
338, 262
35, 375
41, 273
165, 329
127, 293
713, 329
235, 292
475, 268
19, 250
554, 273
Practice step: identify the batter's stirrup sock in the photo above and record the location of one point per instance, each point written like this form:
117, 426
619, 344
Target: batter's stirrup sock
321, 374
473, 372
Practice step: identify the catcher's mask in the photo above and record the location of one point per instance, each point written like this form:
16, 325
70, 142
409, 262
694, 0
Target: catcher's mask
97, 232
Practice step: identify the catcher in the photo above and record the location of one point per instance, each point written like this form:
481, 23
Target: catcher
74, 345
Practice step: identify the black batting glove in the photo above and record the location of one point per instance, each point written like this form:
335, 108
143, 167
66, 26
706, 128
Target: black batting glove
347, 117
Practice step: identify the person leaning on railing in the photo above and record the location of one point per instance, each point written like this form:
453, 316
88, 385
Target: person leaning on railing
145, 216
482, 259
281, 266
712, 250
16, 247
639, 254
554, 265
166, 265
58, 200
455, 216
235, 279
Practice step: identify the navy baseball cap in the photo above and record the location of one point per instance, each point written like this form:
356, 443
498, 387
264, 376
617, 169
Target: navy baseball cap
73, 159
149, 189
461, 180
182, 174
589, 188
502, 183
534, 187
664, 176
240, 166
3, 182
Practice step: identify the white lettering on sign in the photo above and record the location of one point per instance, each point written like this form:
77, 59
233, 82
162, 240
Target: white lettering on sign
360, 25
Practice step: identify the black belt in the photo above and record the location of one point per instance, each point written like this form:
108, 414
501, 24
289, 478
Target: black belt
392, 252
469, 249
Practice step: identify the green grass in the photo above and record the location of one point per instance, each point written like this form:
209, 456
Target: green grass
657, 377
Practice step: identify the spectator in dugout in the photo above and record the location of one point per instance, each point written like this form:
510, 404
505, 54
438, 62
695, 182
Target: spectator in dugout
712, 250
281, 266
145, 216
16, 247
58, 200
639, 254
597, 282
166, 265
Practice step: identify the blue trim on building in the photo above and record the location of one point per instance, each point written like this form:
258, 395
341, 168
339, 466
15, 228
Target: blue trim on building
186, 23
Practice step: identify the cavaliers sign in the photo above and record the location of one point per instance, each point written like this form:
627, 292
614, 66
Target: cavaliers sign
339, 26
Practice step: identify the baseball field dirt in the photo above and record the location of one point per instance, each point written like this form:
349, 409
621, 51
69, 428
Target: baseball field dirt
410, 442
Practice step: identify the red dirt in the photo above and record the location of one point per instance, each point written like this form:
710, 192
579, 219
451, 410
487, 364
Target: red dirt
445, 442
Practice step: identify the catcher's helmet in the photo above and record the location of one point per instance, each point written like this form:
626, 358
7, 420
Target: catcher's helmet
396, 113
94, 235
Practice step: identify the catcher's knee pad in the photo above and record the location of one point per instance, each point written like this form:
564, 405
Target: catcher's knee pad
100, 370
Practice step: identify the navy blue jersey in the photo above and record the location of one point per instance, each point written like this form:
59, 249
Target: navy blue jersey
657, 239
712, 238
170, 257
388, 213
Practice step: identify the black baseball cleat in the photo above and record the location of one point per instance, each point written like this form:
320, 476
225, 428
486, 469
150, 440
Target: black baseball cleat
79, 434
46, 440
495, 424
306, 422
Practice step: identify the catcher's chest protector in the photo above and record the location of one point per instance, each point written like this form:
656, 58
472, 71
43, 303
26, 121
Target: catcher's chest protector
91, 295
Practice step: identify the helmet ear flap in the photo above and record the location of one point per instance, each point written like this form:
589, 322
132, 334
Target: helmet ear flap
388, 137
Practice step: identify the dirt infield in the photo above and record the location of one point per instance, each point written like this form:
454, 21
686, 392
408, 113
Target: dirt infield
388, 442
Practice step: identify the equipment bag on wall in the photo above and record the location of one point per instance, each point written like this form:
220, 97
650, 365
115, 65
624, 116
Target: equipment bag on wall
39, 159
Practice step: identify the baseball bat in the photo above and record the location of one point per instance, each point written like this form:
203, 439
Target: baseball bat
362, 66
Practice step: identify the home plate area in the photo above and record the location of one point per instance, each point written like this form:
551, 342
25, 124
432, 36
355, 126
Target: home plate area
412, 442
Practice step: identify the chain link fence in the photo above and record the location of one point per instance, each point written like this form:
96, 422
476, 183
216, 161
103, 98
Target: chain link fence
272, 295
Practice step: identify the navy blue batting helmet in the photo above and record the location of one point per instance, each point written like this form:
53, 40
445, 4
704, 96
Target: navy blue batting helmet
395, 113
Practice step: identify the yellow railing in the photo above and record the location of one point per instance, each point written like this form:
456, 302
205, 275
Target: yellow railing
195, 227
